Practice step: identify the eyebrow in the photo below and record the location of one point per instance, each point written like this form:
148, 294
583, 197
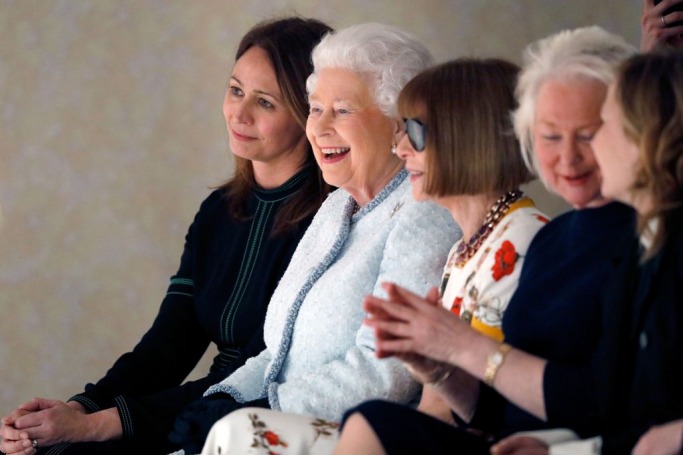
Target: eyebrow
352, 102
261, 92
554, 124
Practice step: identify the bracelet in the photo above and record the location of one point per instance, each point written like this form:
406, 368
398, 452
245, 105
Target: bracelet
494, 361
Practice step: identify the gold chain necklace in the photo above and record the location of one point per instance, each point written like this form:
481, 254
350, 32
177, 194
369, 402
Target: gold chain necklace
466, 250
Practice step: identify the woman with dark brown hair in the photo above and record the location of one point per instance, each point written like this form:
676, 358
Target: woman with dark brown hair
236, 250
461, 154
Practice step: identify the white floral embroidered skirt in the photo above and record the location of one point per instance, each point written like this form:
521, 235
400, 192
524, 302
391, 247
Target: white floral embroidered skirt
263, 431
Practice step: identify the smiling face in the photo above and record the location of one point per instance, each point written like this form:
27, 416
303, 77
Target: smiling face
260, 125
567, 117
350, 135
618, 156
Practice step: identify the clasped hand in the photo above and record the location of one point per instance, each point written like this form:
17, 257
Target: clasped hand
415, 329
49, 422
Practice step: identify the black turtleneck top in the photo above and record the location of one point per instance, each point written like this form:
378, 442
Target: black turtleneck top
228, 271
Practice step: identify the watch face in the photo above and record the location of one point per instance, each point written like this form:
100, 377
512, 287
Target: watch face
496, 358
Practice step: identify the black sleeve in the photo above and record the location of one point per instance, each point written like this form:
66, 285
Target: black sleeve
623, 441
488, 415
153, 416
166, 354
570, 398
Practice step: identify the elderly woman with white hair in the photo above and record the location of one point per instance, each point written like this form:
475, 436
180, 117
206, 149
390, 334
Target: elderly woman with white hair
540, 377
319, 358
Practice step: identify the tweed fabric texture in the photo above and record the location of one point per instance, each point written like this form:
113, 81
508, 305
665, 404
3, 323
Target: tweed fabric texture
319, 358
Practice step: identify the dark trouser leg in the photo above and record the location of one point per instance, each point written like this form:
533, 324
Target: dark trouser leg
131, 446
401, 430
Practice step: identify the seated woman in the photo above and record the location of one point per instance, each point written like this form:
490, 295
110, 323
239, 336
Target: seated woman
235, 253
460, 154
561, 90
640, 151
639, 366
319, 358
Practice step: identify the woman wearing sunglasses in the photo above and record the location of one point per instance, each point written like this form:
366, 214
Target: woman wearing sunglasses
461, 153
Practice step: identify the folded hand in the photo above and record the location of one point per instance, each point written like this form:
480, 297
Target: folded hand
407, 325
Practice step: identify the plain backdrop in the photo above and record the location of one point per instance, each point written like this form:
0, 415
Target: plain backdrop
111, 134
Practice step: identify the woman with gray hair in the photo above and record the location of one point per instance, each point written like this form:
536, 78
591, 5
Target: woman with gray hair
540, 377
319, 358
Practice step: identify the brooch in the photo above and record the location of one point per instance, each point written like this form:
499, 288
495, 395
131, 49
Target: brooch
396, 208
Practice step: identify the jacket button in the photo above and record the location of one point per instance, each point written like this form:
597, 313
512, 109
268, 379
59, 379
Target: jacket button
643, 340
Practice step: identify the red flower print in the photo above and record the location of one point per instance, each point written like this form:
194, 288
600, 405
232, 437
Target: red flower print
456, 306
272, 438
505, 260
262, 437
542, 219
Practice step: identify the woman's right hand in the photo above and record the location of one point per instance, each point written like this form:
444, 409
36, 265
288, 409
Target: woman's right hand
16, 447
14, 441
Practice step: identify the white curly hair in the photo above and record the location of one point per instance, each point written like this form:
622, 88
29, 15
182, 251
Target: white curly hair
587, 52
387, 56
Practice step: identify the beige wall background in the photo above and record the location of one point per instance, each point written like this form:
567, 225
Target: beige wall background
111, 134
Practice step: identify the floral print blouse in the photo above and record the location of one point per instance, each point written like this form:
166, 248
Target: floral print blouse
479, 290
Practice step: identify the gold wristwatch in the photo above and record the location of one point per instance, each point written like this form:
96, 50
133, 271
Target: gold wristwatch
494, 361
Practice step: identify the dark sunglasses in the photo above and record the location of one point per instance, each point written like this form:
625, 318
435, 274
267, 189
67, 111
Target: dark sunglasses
417, 133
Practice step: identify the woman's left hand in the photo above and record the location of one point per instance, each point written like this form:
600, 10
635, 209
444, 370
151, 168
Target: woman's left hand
423, 369
409, 324
51, 422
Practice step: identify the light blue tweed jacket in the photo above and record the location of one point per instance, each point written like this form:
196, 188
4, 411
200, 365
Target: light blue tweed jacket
319, 358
